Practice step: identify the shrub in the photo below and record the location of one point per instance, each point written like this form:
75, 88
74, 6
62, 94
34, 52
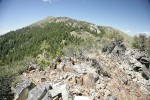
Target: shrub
141, 42
118, 37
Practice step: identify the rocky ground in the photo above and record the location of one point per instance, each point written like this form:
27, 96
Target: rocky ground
97, 76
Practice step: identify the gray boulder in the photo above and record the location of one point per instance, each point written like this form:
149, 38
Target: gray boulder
145, 73
131, 60
138, 55
123, 46
119, 49
95, 64
137, 66
110, 48
145, 61
38, 92
47, 96
104, 48
21, 90
60, 89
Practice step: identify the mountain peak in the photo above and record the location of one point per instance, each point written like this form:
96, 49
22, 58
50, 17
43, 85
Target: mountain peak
49, 19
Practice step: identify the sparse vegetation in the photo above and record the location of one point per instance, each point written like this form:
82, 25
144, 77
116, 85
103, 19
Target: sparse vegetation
9, 76
117, 36
141, 42
41, 43
44, 42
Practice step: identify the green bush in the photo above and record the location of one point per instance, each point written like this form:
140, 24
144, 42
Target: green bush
118, 37
141, 42
9, 77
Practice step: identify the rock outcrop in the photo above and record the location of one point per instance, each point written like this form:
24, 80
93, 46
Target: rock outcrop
22, 89
134, 63
95, 76
38, 92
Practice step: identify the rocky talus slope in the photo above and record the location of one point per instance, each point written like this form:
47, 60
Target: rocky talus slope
97, 76
94, 63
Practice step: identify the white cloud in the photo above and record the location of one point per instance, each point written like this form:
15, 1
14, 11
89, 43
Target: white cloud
50, 1
128, 31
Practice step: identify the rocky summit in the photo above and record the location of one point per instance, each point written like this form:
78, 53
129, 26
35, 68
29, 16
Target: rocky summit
59, 58
99, 76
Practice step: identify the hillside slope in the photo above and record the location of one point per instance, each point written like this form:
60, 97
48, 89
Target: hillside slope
45, 40
16, 45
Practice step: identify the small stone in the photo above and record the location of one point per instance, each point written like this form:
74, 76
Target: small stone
137, 94
61, 66
65, 76
102, 85
97, 96
88, 81
79, 80
24, 74
56, 98
43, 79
107, 93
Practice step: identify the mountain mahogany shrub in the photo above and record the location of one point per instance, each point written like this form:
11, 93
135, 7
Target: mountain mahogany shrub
8, 77
148, 45
141, 42
114, 35
135, 42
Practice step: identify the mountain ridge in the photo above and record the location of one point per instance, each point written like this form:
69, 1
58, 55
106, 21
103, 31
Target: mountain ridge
108, 29
51, 23
49, 39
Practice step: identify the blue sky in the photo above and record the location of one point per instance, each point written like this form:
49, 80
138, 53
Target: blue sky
129, 16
